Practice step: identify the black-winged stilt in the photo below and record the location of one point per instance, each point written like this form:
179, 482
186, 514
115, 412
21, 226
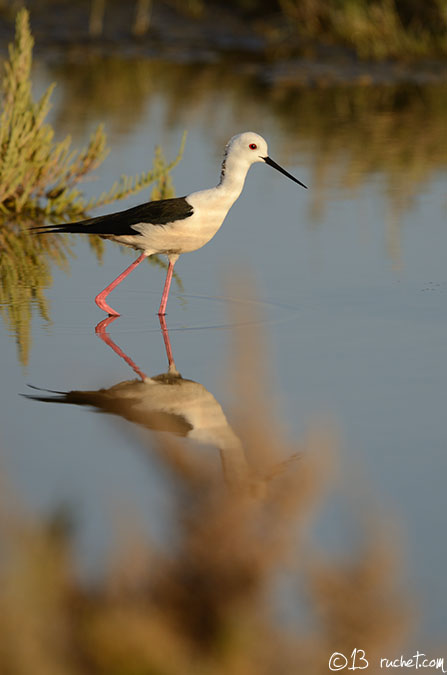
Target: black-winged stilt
178, 225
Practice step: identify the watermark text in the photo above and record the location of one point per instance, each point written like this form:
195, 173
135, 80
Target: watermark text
357, 660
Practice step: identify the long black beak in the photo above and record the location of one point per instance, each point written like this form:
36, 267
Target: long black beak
276, 166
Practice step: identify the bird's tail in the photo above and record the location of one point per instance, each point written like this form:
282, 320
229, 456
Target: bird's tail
89, 226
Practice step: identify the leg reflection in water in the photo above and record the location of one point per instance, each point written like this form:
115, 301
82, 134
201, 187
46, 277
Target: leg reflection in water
165, 402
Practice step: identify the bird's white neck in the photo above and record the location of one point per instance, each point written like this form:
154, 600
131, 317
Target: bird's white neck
232, 177
218, 200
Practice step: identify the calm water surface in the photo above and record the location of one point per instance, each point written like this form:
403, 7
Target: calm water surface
348, 280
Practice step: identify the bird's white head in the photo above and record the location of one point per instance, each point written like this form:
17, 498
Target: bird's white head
245, 149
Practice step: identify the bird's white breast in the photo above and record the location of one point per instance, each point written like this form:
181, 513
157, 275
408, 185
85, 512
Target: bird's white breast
210, 208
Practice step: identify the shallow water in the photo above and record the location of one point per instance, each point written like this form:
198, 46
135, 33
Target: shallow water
347, 285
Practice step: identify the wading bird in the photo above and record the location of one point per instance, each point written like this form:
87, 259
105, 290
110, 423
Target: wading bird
178, 225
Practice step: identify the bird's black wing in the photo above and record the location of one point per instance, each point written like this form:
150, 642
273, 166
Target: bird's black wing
156, 213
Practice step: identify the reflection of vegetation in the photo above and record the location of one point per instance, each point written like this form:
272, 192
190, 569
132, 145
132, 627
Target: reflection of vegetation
365, 130
354, 134
24, 274
350, 132
374, 28
121, 91
237, 586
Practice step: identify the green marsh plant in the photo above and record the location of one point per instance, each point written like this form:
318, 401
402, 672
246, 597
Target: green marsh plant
39, 176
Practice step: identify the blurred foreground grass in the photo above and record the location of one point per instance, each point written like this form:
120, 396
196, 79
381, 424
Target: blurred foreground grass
209, 602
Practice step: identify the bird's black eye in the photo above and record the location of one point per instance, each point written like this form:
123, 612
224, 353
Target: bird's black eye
252, 146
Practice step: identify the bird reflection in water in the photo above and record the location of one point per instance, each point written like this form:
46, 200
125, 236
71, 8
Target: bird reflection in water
164, 403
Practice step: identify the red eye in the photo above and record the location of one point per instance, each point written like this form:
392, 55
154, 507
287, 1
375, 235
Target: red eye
252, 146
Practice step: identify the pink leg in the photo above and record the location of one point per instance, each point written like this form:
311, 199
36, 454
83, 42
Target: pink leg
164, 297
164, 330
101, 297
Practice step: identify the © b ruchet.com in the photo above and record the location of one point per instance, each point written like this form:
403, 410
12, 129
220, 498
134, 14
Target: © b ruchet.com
357, 660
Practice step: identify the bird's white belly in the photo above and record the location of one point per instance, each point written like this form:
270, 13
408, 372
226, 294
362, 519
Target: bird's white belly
181, 236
